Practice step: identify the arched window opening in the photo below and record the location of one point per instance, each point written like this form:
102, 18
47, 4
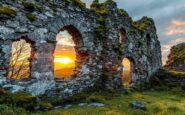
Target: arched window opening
64, 55
122, 34
127, 71
148, 40
20, 59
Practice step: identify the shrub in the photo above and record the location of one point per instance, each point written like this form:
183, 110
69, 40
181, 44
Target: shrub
31, 17
7, 10
24, 100
95, 4
9, 110
94, 98
143, 23
122, 12
165, 79
20, 99
45, 105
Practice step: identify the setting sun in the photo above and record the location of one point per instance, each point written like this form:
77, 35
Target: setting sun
64, 60
64, 55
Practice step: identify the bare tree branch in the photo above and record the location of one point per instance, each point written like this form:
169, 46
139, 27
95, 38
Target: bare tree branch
19, 63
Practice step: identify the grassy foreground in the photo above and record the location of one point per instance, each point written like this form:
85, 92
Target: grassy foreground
157, 103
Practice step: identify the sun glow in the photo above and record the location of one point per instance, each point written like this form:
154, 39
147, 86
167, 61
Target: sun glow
64, 56
64, 60
126, 75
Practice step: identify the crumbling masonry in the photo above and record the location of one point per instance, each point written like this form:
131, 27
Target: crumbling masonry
103, 35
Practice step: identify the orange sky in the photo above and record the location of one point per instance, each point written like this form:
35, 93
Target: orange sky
126, 64
64, 59
65, 55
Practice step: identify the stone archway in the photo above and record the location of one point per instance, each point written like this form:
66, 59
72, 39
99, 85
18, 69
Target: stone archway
74, 58
128, 70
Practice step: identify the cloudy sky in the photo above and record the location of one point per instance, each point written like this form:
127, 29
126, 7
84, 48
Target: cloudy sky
169, 16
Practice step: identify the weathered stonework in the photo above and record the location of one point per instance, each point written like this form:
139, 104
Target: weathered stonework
104, 52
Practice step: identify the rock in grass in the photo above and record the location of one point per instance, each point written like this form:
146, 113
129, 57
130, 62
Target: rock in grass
97, 104
82, 104
137, 105
67, 106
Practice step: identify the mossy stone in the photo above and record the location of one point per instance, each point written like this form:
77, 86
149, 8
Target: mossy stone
31, 17
7, 11
29, 6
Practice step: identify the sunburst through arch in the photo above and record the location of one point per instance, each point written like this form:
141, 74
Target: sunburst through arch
64, 55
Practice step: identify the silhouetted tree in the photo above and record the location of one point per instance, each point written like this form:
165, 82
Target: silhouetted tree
19, 62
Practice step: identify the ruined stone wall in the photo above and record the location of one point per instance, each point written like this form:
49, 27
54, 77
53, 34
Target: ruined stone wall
101, 46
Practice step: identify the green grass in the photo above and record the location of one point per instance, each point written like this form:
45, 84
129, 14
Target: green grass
156, 102
170, 102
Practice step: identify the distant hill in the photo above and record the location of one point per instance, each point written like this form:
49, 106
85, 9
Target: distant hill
176, 58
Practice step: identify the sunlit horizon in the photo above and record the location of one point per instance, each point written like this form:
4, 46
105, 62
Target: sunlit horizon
64, 55
64, 60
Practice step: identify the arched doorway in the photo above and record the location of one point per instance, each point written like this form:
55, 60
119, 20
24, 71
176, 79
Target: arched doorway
67, 55
20, 59
127, 72
64, 55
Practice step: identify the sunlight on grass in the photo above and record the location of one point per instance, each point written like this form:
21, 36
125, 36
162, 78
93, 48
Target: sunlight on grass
156, 102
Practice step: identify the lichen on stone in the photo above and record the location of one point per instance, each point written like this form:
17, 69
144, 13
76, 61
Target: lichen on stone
123, 12
79, 3
7, 10
31, 17
143, 23
28, 5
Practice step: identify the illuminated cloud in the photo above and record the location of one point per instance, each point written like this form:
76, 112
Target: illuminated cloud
176, 27
178, 22
65, 39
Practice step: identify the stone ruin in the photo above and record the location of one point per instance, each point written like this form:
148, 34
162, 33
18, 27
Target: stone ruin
103, 36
